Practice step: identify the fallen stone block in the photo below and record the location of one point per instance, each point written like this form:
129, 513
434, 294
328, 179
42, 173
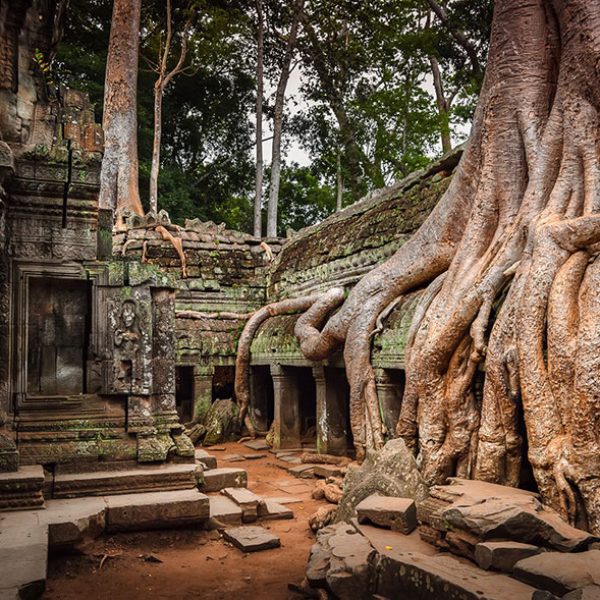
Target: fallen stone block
234, 458
223, 512
257, 445
399, 514
291, 459
208, 460
502, 556
269, 509
156, 510
251, 538
302, 471
217, 479
248, 501
326, 471
558, 572
254, 456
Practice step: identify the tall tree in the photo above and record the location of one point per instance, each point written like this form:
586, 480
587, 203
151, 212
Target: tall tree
165, 76
119, 176
508, 268
284, 76
260, 62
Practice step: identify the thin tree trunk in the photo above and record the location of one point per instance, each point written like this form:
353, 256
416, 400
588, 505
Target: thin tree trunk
119, 187
158, 98
278, 123
259, 120
442, 105
339, 184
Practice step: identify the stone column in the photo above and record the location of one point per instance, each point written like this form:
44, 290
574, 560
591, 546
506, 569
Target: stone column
331, 412
390, 389
259, 401
203, 385
287, 408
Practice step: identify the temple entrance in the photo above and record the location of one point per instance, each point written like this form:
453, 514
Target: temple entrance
184, 392
58, 326
262, 397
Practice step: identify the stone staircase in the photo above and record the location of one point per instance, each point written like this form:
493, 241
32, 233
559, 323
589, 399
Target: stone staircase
82, 506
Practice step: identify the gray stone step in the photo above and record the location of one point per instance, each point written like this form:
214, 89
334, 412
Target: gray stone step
22, 489
156, 510
248, 501
223, 511
157, 478
208, 460
217, 479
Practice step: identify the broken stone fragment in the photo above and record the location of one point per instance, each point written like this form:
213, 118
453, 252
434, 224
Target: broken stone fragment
248, 501
251, 538
502, 556
398, 514
589, 592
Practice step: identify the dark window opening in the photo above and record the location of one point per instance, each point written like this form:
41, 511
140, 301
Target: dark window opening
184, 393
223, 383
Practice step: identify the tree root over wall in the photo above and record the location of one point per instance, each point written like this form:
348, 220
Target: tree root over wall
508, 259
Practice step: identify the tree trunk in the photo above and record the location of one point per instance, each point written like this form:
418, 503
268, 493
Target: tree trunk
339, 197
442, 105
119, 177
259, 119
158, 98
278, 123
508, 264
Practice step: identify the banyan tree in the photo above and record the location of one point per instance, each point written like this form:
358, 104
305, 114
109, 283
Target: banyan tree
507, 264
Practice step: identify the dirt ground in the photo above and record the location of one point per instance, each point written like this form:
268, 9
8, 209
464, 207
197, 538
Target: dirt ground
194, 563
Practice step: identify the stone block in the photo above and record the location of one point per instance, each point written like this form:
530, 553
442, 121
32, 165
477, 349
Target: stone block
589, 592
248, 501
223, 511
502, 556
257, 445
251, 538
22, 489
558, 572
156, 510
217, 479
208, 460
325, 471
399, 514
269, 509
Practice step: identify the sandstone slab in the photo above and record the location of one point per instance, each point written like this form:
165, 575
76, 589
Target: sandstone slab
251, 538
223, 511
156, 510
502, 556
325, 471
248, 501
269, 509
208, 460
257, 445
72, 521
560, 573
399, 514
217, 479
22, 489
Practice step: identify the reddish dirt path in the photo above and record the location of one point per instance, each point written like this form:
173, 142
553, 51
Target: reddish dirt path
195, 564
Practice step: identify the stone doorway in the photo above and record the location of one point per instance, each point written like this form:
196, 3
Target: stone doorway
58, 329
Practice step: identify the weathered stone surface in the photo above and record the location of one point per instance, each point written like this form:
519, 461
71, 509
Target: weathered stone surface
302, 471
23, 555
248, 501
560, 573
208, 460
399, 514
251, 538
502, 556
490, 511
589, 592
22, 489
258, 444
343, 559
325, 471
141, 479
391, 472
224, 511
269, 509
71, 521
217, 479
156, 510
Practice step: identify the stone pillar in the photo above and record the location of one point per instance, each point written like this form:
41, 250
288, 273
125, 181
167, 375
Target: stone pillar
259, 399
332, 406
390, 389
203, 385
287, 408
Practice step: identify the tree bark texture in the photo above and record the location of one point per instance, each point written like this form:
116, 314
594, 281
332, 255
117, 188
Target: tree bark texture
119, 176
278, 122
509, 263
259, 119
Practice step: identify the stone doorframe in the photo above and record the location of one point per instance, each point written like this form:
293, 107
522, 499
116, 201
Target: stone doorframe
21, 272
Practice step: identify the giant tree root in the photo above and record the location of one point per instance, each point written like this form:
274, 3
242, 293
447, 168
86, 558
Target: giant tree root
327, 302
509, 263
